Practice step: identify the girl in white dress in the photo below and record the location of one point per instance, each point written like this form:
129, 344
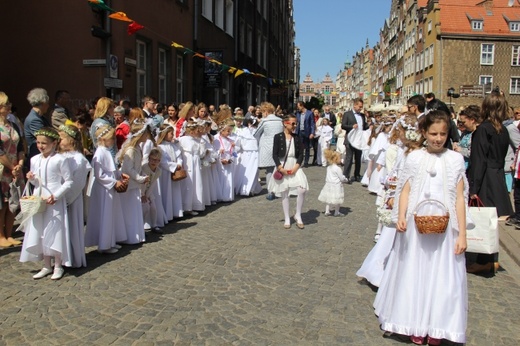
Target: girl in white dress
72, 149
151, 201
376, 151
423, 291
105, 222
288, 157
192, 151
332, 193
131, 160
209, 165
225, 147
171, 160
46, 233
326, 133
246, 172
409, 139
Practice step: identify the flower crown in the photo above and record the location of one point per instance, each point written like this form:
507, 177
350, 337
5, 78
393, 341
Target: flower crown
47, 133
147, 124
70, 132
104, 132
411, 133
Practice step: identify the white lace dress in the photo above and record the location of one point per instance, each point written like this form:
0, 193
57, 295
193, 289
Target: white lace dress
291, 182
424, 290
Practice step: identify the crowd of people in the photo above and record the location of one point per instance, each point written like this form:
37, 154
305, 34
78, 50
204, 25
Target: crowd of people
140, 168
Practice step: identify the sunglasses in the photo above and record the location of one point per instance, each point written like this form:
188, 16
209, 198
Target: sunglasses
289, 123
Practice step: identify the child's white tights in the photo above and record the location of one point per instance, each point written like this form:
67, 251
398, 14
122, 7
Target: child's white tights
299, 206
329, 207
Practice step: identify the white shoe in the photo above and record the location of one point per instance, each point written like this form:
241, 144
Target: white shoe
117, 246
42, 273
339, 214
109, 251
376, 237
327, 214
58, 273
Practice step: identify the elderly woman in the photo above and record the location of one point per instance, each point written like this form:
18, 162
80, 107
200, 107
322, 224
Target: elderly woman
122, 126
39, 101
269, 126
12, 159
103, 115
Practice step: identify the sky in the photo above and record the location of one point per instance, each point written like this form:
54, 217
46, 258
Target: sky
330, 31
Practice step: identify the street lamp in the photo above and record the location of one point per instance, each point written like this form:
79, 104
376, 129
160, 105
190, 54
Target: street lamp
451, 93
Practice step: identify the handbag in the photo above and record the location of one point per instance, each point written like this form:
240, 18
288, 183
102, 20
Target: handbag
30, 204
179, 174
15, 191
277, 175
483, 238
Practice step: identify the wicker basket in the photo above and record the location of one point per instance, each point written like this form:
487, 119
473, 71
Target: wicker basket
431, 224
32, 205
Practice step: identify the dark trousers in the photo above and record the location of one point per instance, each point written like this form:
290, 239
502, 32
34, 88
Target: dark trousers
314, 143
352, 153
307, 147
516, 199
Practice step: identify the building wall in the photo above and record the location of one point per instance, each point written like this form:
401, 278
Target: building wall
461, 66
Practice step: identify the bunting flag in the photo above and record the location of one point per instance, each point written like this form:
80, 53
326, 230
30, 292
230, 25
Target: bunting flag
134, 27
100, 5
120, 16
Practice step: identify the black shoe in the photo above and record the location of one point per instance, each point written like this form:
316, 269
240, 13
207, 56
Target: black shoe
157, 230
511, 221
349, 181
359, 178
517, 227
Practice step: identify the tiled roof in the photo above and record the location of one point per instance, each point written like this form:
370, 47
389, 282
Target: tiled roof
456, 16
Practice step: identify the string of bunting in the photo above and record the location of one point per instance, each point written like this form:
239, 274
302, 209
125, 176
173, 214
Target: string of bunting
134, 27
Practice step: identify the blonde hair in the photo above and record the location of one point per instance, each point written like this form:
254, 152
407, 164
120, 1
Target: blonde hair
185, 109
4, 100
267, 107
332, 156
74, 133
135, 127
105, 132
102, 107
163, 131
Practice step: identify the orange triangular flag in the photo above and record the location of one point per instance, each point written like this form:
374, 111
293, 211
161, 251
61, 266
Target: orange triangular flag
120, 16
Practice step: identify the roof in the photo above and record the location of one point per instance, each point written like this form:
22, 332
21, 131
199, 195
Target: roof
456, 17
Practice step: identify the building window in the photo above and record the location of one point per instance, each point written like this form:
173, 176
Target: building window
249, 93
229, 17
487, 54
264, 52
250, 41
242, 33
483, 80
514, 26
515, 85
163, 75
141, 69
515, 56
477, 25
259, 47
207, 9
219, 13
180, 79
431, 55
429, 26
258, 95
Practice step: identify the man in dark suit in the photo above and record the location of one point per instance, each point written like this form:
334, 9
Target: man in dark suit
305, 129
329, 115
353, 119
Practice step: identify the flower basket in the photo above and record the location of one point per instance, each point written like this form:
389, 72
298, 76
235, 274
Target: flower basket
431, 224
32, 205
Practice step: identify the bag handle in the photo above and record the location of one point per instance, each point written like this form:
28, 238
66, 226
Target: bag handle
476, 202
26, 189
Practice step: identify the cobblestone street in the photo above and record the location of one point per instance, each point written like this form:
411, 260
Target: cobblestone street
233, 275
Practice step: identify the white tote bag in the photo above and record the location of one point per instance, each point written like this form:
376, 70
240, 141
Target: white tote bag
483, 238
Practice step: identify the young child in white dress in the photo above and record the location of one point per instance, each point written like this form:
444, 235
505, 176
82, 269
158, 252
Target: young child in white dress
225, 147
376, 151
192, 151
209, 165
332, 193
131, 160
105, 222
171, 160
246, 170
72, 149
46, 233
150, 198
326, 133
423, 292
406, 138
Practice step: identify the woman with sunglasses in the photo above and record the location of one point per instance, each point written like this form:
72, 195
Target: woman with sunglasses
288, 157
